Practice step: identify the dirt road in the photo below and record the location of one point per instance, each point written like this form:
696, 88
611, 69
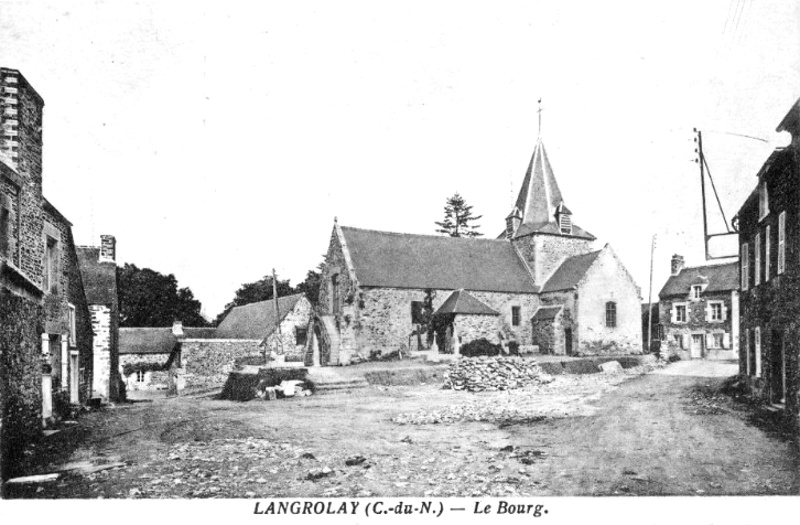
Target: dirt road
667, 432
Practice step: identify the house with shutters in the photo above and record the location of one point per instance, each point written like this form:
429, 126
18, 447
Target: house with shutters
541, 286
769, 237
699, 311
45, 330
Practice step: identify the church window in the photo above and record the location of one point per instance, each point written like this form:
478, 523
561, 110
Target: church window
335, 306
300, 336
611, 314
416, 312
515, 315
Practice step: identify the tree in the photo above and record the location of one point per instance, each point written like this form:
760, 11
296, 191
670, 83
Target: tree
254, 292
310, 286
149, 298
458, 219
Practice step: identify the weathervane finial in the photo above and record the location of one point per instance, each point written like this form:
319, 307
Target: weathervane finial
540, 117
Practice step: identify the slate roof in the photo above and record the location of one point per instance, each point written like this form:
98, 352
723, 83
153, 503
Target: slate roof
199, 333
540, 197
400, 260
570, 272
461, 302
99, 279
546, 313
255, 320
146, 340
720, 278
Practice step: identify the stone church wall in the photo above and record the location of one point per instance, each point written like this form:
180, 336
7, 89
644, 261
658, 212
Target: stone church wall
545, 253
608, 281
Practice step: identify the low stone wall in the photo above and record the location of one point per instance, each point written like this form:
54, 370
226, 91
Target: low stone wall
207, 362
478, 374
20, 379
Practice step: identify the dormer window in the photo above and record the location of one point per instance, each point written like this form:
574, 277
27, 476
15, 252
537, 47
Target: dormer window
564, 218
695, 293
763, 200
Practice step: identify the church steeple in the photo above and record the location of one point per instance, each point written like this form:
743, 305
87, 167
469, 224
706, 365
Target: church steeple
540, 204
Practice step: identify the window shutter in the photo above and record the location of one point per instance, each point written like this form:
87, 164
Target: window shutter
708, 312
709, 341
726, 341
686, 341
758, 351
674, 314
724, 312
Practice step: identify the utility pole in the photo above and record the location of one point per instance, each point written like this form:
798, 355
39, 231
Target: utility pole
701, 160
650, 299
275, 297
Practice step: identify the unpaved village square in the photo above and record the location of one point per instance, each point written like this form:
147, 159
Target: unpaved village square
665, 430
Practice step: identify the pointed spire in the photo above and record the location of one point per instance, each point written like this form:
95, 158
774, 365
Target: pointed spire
539, 196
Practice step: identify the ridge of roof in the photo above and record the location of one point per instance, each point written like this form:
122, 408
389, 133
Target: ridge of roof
462, 302
401, 260
720, 277
428, 235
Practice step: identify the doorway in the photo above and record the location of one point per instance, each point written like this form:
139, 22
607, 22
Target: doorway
73, 378
696, 350
568, 340
777, 368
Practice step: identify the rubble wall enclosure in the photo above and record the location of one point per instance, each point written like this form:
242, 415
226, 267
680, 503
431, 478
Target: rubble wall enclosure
20, 378
606, 282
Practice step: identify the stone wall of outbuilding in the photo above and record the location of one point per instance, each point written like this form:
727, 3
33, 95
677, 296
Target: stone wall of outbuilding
207, 362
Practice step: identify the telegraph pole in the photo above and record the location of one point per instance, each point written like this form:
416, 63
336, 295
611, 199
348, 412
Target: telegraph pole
701, 160
275, 297
650, 299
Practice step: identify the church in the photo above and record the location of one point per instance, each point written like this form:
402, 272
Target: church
540, 287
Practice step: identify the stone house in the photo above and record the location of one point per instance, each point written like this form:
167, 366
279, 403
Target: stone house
539, 286
769, 237
283, 333
45, 331
98, 268
699, 311
177, 359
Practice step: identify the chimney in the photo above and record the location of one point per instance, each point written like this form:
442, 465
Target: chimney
677, 264
108, 248
21, 110
177, 329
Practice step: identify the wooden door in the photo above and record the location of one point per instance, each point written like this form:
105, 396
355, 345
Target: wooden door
568, 340
697, 346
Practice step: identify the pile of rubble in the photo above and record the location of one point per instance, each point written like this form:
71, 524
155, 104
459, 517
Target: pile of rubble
489, 374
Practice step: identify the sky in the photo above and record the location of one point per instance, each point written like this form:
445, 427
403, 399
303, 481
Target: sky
218, 140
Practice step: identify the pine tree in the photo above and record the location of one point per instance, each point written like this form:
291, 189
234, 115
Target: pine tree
458, 219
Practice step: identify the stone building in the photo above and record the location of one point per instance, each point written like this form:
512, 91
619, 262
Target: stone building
699, 311
769, 237
179, 359
539, 286
45, 331
99, 271
283, 333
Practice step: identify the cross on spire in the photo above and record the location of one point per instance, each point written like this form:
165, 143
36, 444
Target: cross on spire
540, 117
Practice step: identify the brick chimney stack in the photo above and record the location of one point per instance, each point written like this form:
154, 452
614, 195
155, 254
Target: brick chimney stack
677, 264
108, 248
